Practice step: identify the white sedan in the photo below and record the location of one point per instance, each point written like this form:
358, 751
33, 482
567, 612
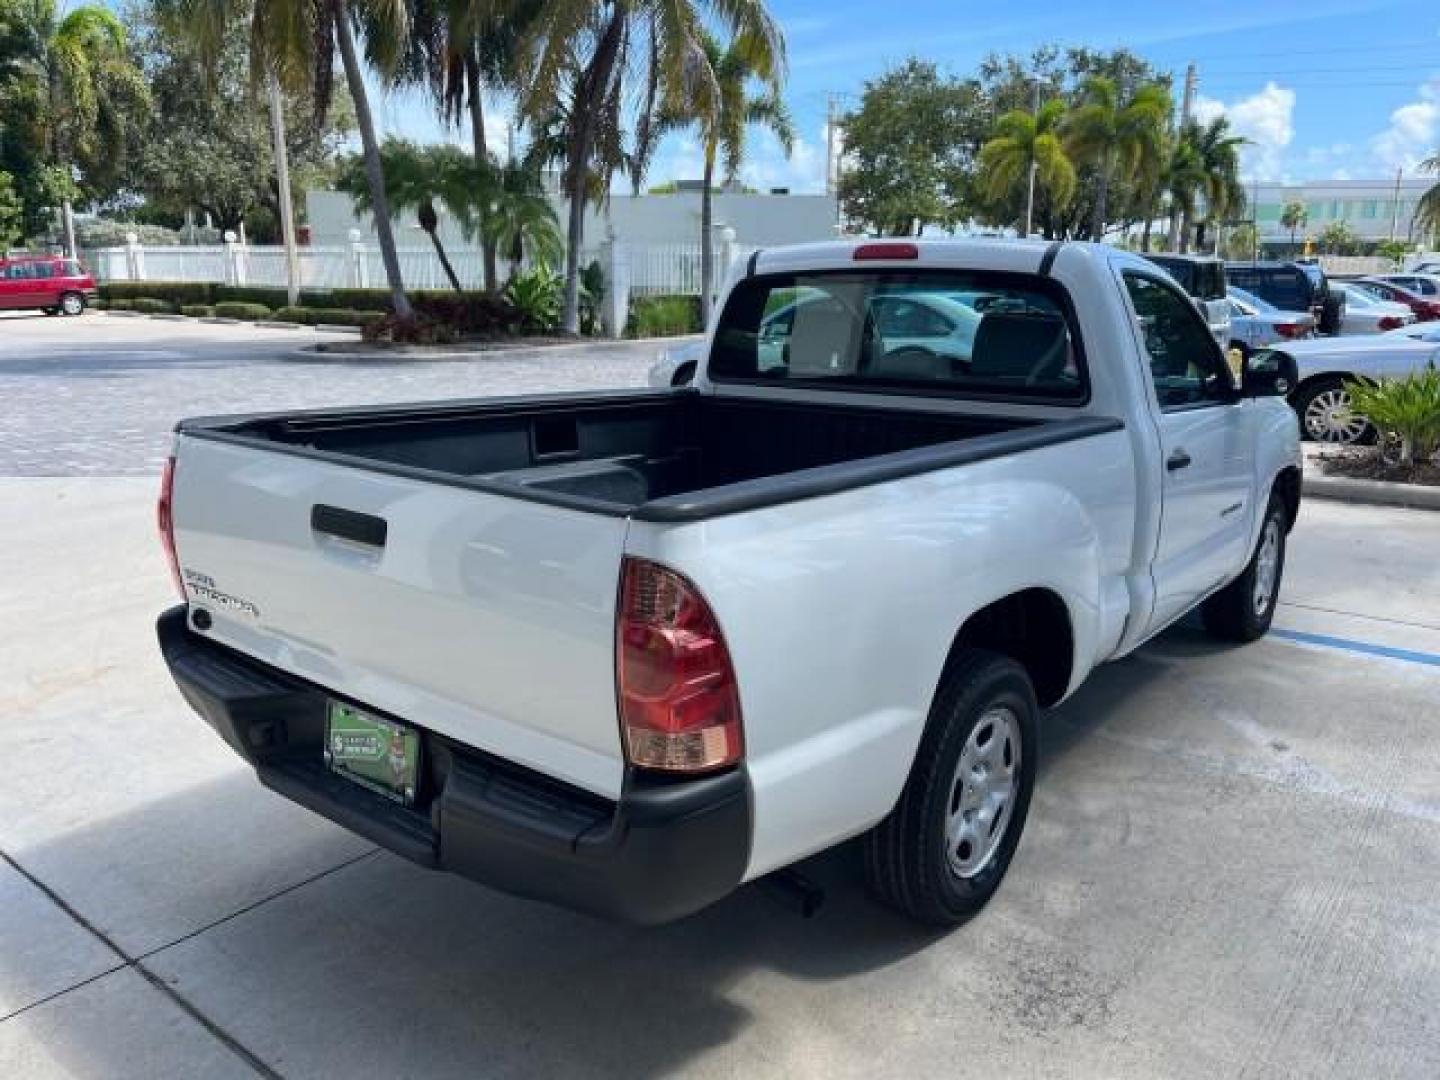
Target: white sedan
1366, 313
1325, 365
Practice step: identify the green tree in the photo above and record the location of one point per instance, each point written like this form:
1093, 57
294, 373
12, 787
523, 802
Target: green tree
521, 221
724, 126
84, 91
209, 147
910, 150
576, 88
1338, 238
1293, 217
1240, 243
1218, 152
1394, 250
12, 213
416, 178
1023, 141
295, 41
1117, 134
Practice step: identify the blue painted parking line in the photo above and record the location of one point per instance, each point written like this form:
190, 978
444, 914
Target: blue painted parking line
1350, 645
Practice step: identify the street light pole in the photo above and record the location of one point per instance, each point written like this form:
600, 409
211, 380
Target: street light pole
287, 208
1030, 194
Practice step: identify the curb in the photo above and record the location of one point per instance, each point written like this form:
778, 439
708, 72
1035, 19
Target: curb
1371, 492
421, 354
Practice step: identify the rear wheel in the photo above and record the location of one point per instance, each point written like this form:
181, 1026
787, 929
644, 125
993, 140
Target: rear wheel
944, 849
1326, 414
72, 304
1244, 609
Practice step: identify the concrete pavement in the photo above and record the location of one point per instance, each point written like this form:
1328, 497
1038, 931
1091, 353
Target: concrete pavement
1229, 869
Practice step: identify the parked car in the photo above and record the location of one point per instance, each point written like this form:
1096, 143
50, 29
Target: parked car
1254, 323
1366, 313
1423, 309
1420, 283
49, 283
625, 651
676, 365
1203, 277
1419, 331
1325, 365
1292, 286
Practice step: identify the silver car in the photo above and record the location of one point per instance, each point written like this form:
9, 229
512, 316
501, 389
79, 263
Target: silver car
1255, 323
1366, 313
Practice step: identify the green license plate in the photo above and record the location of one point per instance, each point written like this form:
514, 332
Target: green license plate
379, 754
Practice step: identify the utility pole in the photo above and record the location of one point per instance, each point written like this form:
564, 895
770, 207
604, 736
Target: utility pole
287, 208
1395, 206
1178, 223
1030, 194
1187, 101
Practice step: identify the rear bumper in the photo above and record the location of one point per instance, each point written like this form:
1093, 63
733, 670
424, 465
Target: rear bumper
666, 849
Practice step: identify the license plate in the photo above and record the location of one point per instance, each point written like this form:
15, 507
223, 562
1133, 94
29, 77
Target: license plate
374, 752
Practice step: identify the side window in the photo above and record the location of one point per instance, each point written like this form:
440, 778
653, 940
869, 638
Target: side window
1184, 362
44, 270
898, 317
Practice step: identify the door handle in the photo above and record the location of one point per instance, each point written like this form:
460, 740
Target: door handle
349, 525
1178, 459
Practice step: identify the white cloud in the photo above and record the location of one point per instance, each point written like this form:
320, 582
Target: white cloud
1266, 118
1410, 136
766, 165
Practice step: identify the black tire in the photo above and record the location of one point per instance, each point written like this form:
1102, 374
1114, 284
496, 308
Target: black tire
51, 310
907, 861
72, 304
1235, 613
1305, 397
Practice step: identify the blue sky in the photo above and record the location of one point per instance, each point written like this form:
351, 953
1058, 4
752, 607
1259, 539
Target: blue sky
1324, 89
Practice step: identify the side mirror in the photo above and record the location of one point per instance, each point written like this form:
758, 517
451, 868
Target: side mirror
1269, 373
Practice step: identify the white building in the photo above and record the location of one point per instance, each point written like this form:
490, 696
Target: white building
1375, 210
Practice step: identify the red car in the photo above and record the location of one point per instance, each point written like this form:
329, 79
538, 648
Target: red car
1424, 308
55, 285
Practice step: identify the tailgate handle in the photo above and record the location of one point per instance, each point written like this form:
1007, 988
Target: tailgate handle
349, 525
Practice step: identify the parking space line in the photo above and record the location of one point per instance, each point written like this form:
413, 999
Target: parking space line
1368, 648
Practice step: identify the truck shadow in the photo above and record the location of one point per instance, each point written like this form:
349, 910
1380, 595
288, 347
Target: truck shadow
381, 968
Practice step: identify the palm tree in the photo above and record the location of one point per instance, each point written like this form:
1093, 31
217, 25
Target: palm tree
90, 82
723, 129
296, 41
1184, 178
1218, 152
1293, 217
520, 220
415, 179
1116, 136
580, 51
1022, 140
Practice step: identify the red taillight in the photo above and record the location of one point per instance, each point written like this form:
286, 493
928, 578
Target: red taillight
1390, 322
1290, 329
1428, 310
679, 702
165, 518
871, 252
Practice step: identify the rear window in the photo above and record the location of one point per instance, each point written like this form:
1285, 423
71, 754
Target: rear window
1285, 287
1204, 280
940, 331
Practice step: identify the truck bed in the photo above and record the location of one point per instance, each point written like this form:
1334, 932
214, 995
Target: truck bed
669, 455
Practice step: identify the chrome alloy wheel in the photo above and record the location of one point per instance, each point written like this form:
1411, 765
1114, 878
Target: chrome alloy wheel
1330, 418
1267, 566
983, 792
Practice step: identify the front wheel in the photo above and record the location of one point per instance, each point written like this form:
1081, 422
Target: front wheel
72, 304
1244, 609
941, 853
1327, 414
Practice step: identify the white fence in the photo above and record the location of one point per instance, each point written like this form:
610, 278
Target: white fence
651, 269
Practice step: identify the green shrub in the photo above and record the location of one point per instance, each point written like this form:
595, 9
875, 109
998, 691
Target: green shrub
197, 311
345, 317
535, 297
118, 305
176, 292
360, 299
417, 329
148, 305
235, 309
1407, 409
664, 316
99, 305
473, 314
302, 315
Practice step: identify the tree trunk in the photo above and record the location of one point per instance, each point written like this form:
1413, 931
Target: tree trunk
444, 260
1151, 210
707, 238
1102, 197
370, 148
67, 224
590, 96
481, 153
1181, 243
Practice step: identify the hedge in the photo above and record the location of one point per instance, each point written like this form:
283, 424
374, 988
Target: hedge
150, 306
235, 309
663, 316
197, 311
176, 292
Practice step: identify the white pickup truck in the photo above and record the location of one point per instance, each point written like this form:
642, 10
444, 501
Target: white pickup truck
625, 651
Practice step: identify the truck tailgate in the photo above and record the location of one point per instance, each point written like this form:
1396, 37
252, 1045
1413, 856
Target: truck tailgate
485, 618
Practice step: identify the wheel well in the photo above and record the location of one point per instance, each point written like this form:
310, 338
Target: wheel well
1326, 377
1287, 486
1032, 627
